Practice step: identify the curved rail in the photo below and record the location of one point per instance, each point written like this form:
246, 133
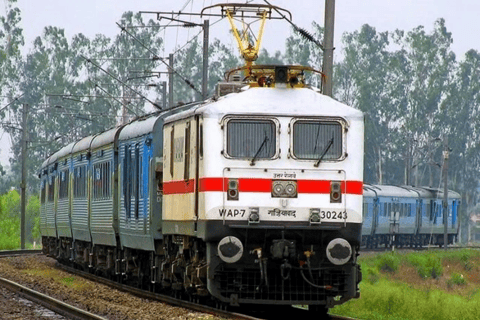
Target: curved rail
55, 305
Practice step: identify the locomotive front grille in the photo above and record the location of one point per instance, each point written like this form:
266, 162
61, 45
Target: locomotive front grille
248, 285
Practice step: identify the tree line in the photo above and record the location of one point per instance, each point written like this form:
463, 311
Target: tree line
413, 90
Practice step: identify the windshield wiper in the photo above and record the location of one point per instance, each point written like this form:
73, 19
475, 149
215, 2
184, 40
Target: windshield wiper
316, 140
252, 163
324, 152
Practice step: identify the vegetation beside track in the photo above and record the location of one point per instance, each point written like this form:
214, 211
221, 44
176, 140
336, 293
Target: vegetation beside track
10, 221
428, 285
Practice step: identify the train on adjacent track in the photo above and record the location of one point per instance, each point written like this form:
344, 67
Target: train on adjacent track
407, 216
254, 197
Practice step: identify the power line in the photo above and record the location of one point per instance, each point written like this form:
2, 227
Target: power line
115, 78
190, 84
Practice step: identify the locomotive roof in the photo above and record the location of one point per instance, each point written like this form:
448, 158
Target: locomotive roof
274, 101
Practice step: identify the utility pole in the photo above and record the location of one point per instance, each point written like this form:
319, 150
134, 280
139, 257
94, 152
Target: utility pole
408, 163
206, 25
23, 185
445, 192
124, 107
328, 48
164, 95
170, 80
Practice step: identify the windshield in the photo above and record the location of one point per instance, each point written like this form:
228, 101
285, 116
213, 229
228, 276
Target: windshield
311, 139
245, 139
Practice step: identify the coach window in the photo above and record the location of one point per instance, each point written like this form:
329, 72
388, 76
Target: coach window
251, 139
127, 185
51, 189
79, 182
43, 194
136, 180
314, 140
63, 193
101, 181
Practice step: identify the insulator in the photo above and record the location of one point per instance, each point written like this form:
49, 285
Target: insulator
306, 34
189, 25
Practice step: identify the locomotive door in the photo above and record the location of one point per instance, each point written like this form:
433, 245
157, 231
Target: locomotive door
180, 177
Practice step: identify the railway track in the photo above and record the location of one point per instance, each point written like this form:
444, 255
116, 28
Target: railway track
72, 312
55, 305
282, 312
14, 253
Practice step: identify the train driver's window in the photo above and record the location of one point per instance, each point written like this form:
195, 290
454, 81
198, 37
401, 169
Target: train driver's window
317, 139
247, 139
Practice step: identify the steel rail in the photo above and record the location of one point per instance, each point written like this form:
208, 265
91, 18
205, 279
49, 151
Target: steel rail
14, 253
293, 313
55, 305
156, 296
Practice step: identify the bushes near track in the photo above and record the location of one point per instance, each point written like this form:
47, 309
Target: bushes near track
419, 285
10, 221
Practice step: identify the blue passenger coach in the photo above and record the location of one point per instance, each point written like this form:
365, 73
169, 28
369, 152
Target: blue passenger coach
407, 216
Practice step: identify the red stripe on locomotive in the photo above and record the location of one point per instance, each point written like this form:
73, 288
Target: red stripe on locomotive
258, 185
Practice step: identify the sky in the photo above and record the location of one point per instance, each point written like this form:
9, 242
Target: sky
91, 17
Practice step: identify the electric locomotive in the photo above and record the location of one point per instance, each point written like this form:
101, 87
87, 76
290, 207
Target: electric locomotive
250, 197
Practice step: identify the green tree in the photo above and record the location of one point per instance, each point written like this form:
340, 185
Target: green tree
430, 68
361, 81
10, 220
32, 220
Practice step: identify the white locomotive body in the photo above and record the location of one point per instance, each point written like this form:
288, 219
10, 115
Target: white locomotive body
273, 175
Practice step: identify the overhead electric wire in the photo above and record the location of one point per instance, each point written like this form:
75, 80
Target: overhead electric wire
196, 36
191, 85
115, 78
121, 102
15, 99
302, 31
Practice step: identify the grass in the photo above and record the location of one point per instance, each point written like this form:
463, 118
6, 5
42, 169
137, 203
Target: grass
421, 285
55, 275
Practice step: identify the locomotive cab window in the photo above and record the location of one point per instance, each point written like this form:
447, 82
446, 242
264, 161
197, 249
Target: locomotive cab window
251, 139
317, 139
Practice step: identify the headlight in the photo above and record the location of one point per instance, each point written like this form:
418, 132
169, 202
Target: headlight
291, 190
284, 189
339, 251
230, 249
277, 190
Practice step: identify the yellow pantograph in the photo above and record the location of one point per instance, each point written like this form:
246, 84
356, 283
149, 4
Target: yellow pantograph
248, 50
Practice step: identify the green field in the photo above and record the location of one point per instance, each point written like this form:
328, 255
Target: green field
430, 284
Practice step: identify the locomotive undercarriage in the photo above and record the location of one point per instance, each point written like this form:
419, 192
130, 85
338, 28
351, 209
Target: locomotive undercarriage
277, 268
405, 240
284, 267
